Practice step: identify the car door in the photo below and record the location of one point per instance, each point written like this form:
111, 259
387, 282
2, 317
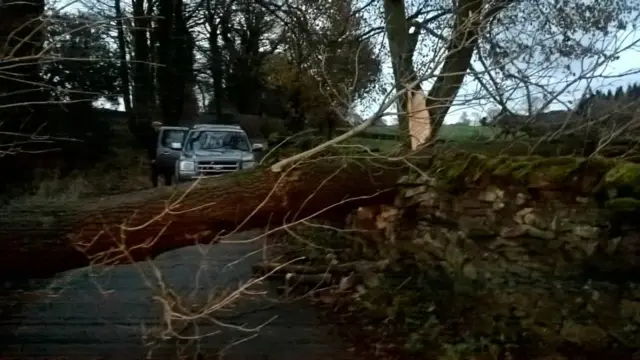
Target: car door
167, 156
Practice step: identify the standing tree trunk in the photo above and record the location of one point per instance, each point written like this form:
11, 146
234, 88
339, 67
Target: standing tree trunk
122, 55
217, 72
188, 109
469, 18
152, 95
141, 120
21, 41
191, 107
215, 64
175, 57
24, 106
397, 29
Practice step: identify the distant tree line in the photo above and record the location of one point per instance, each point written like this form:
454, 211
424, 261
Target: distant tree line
621, 94
160, 60
631, 91
599, 115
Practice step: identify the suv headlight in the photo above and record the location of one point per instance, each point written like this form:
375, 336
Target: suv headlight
186, 165
248, 161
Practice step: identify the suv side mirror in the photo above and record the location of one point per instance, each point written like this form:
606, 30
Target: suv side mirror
257, 147
175, 146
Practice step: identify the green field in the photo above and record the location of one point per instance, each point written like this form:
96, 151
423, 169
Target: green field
465, 132
385, 137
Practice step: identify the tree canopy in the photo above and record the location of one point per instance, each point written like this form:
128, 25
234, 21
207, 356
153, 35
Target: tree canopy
305, 63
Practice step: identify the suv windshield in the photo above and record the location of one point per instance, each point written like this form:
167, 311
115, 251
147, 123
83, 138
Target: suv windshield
216, 139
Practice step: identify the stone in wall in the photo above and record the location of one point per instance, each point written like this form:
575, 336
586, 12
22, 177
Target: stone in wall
549, 246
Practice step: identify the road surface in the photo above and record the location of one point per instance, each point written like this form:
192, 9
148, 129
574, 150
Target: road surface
93, 314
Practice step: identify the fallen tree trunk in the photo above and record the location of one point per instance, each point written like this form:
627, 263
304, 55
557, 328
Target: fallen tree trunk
40, 240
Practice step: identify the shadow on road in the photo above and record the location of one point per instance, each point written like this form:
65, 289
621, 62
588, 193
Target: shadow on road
102, 313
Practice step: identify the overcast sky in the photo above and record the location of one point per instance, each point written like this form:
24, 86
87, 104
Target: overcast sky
624, 71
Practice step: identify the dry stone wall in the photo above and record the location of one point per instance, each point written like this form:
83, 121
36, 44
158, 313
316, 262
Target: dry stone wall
542, 251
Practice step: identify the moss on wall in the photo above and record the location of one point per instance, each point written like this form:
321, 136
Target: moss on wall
520, 249
521, 257
457, 170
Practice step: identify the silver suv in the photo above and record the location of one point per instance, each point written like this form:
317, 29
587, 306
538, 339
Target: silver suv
203, 150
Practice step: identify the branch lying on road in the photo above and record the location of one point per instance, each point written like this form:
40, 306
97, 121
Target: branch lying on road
358, 266
345, 276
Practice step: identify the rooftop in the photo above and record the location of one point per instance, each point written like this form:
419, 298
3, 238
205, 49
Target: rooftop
218, 127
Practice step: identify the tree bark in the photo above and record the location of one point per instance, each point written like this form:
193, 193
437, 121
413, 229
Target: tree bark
140, 121
22, 99
468, 21
469, 18
215, 64
123, 67
43, 239
401, 48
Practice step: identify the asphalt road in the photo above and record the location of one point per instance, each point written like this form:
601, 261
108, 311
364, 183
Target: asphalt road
94, 314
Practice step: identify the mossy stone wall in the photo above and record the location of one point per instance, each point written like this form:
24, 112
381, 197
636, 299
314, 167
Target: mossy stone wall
542, 251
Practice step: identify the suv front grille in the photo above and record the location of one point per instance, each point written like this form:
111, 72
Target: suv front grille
207, 168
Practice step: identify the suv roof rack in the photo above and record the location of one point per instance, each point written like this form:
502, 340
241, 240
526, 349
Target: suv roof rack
219, 126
